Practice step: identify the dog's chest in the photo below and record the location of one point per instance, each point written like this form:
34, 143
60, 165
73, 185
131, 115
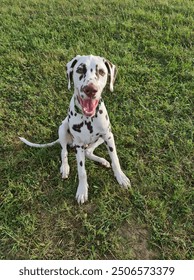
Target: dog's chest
87, 130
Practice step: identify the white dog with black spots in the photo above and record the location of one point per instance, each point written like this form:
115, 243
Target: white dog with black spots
87, 124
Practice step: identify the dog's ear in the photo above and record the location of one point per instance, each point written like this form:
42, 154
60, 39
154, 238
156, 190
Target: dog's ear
112, 71
70, 65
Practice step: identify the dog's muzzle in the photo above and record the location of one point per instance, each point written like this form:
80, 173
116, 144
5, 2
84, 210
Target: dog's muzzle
89, 103
90, 90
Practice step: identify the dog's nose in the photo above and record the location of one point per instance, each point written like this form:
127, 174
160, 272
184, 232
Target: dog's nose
90, 90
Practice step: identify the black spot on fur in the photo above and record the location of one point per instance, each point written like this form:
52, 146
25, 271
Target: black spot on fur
106, 117
77, 127
81, 163
71, 113
70, 75
97, 72
68, 131
100, 111
82, 69
75, 114
78, 147
73, 63
111, 149
89, 126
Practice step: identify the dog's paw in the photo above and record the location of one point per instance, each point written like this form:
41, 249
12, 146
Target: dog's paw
123, 180
65, 171
82, 194
105, 163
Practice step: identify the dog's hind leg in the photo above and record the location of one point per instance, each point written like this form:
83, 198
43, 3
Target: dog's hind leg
65, 139
90, 155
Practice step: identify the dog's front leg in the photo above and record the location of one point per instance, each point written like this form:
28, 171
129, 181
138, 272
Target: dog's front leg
63, 138
120, 176
82, 190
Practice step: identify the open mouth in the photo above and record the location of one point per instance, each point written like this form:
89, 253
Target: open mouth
88, 106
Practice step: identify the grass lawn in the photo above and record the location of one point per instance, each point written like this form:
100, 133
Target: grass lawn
152, 43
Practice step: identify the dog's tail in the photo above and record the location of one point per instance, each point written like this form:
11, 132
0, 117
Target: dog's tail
38, 145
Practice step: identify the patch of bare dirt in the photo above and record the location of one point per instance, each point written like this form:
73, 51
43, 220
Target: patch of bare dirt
135, 239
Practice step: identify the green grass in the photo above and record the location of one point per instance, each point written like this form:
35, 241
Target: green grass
151, 108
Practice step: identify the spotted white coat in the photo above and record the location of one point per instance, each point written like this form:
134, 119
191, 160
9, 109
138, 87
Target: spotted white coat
87, 124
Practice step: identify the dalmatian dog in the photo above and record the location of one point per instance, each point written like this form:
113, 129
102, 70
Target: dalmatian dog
87, 124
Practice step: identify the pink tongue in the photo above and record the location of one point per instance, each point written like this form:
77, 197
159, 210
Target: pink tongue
89, 106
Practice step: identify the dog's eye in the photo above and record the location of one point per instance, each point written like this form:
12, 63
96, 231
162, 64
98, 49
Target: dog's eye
101, 72
80, 70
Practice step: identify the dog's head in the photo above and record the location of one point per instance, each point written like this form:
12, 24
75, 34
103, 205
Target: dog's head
90, 75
